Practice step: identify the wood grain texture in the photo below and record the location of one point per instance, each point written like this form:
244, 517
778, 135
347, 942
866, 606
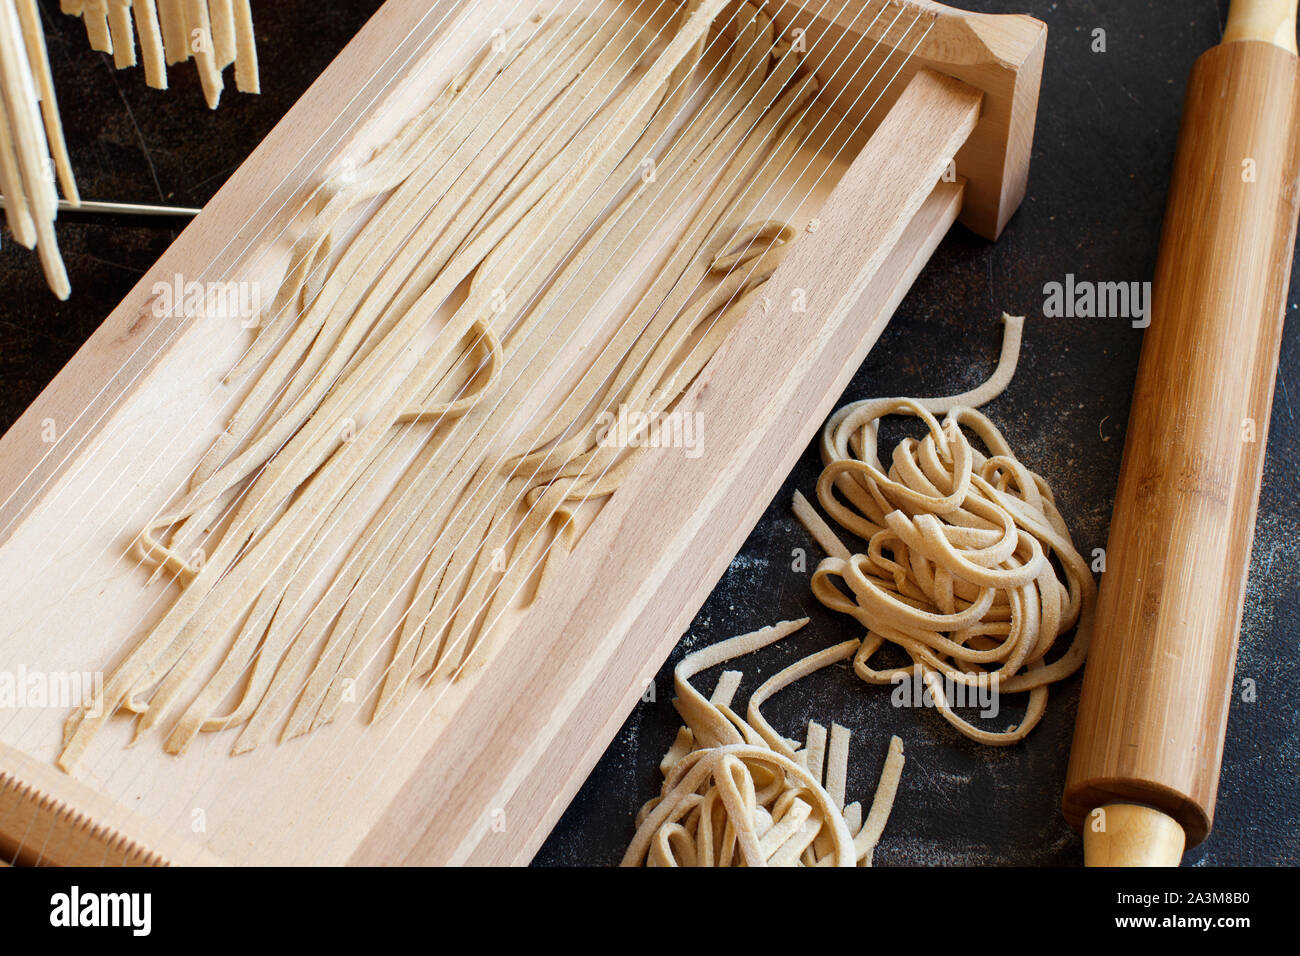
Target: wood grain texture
79, 827
1001, 55
1160, 674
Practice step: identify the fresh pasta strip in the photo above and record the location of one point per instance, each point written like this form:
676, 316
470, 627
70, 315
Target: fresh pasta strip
968, 567
346, 299
642, 342
214, 33
584, 467
170, 643
457, 550
736, 793
598, 470
33, 153
449, 461
510, 204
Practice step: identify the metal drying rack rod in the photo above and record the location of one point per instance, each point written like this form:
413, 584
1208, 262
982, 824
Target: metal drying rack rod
123, 209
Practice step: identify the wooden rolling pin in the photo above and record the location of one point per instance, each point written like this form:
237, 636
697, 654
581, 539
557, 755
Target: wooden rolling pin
1144, 769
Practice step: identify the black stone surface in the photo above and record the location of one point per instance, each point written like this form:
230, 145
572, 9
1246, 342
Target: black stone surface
1103, 151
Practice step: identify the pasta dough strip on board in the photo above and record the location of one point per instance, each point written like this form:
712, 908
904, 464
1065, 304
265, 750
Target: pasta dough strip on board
285, 638
522, 160
364, 590
537, 205
579, 455
384, 231
346, 628
617, 347
348, 307
637, 349
126, 675
485, 600
199, 647
217, 479
364, 627
588, 282
332, 600
590, 475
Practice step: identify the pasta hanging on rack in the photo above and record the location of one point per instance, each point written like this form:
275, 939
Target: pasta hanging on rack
33, 154
214, 33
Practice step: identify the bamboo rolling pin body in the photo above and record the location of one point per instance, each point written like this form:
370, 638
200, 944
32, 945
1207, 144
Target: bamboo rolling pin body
1159, 679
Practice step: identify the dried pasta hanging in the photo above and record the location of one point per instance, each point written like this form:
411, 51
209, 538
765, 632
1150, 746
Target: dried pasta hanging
33, 154
214, 33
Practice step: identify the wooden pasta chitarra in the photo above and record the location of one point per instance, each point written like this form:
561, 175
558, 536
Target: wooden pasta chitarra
934, 109
1144, 770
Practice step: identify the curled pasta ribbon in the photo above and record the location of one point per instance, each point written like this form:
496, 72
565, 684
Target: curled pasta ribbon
176, 566
755, 241
969, 567
736, 793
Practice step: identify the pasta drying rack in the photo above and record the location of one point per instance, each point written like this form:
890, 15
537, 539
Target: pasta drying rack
941, 103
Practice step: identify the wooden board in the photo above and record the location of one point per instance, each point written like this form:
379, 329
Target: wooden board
476, 771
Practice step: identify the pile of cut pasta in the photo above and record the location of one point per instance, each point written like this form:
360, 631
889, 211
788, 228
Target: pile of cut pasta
737, 793
214, 33
958, 569
517, 200
33, 154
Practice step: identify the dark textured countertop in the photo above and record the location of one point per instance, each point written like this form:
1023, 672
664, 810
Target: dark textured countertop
1103, 151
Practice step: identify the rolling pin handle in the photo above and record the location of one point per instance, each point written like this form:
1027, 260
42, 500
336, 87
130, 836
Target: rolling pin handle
1268, 21
1129, 834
